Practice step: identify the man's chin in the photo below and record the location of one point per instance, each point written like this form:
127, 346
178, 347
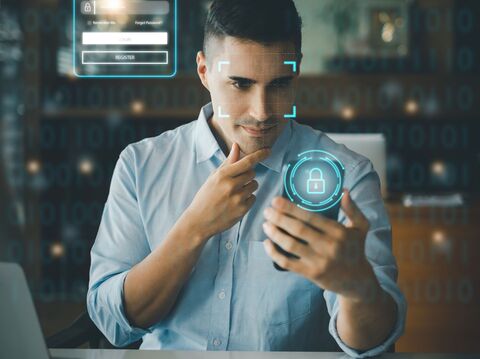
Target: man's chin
248, 147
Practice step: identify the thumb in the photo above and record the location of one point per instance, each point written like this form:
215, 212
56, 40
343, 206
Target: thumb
234, 155
354, 215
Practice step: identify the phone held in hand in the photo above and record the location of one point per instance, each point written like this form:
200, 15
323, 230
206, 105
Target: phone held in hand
314, 183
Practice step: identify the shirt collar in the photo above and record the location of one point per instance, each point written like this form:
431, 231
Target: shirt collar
206, 144
277, 157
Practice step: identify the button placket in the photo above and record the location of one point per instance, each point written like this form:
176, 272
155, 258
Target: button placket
221, 311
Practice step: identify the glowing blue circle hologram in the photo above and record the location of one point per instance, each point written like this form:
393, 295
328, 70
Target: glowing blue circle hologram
296, 179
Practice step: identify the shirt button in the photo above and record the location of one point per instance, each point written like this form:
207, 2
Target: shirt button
221, 295
228, 245
217, 342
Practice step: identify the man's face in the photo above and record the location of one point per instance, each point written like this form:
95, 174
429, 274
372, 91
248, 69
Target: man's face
252, 89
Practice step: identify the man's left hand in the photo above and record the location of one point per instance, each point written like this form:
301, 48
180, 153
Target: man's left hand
333, 255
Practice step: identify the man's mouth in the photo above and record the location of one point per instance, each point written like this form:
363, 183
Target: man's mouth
257, 131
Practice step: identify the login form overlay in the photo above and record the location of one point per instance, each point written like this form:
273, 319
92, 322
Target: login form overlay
124, 38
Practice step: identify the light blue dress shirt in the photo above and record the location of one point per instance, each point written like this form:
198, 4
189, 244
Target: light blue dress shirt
234, 299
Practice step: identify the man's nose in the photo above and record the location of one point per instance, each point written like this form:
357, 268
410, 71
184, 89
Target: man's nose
260, 108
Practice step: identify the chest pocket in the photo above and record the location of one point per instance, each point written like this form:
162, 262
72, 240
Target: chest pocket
280, 297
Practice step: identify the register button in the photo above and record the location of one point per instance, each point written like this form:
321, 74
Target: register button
125, 57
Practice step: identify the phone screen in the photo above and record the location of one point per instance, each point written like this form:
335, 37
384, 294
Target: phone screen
315, 185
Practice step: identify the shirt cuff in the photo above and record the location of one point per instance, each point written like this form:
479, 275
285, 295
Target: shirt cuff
391, 288
110, 312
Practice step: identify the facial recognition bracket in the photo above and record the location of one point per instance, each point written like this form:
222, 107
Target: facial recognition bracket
293, 114
291, 63
221, 63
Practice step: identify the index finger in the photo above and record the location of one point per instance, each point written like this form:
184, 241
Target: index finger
247, 162
315, 220
354, 214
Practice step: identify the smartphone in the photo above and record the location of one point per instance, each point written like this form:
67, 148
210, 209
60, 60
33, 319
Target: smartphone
331, 209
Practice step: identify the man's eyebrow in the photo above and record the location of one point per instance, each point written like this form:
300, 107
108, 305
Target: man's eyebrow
241, 79
244, 79
282, 79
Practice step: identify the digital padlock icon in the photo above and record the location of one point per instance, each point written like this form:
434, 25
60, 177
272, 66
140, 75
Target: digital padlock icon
87, 7
316, 182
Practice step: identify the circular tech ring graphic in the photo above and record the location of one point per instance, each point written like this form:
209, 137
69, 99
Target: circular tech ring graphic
314, 182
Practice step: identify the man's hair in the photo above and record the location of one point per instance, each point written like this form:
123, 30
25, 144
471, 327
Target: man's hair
261, 21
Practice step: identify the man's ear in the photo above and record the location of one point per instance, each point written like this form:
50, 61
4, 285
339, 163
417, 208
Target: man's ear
299, 64
202, 69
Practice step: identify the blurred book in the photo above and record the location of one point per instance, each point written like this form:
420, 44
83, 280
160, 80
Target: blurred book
447, 200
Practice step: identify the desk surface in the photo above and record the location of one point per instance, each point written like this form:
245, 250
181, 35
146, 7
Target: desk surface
150, 354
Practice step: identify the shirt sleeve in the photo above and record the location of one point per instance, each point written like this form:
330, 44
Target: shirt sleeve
121, 243
364, 186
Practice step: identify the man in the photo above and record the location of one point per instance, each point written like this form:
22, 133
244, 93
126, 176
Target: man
183, 256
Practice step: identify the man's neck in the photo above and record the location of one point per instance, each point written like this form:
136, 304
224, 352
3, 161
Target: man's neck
222, 140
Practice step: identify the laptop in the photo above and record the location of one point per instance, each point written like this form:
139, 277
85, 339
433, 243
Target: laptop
20, 333
371, 145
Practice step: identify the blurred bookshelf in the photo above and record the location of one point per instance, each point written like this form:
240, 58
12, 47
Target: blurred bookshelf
344, 96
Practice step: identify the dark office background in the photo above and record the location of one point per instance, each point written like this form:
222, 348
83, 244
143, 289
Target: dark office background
414, 78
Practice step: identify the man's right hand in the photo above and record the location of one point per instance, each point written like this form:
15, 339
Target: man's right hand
227, 195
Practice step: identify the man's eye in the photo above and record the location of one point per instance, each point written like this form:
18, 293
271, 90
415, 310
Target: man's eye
241, 85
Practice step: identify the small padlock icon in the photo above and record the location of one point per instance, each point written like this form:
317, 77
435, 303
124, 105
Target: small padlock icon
316, 182
87, 8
